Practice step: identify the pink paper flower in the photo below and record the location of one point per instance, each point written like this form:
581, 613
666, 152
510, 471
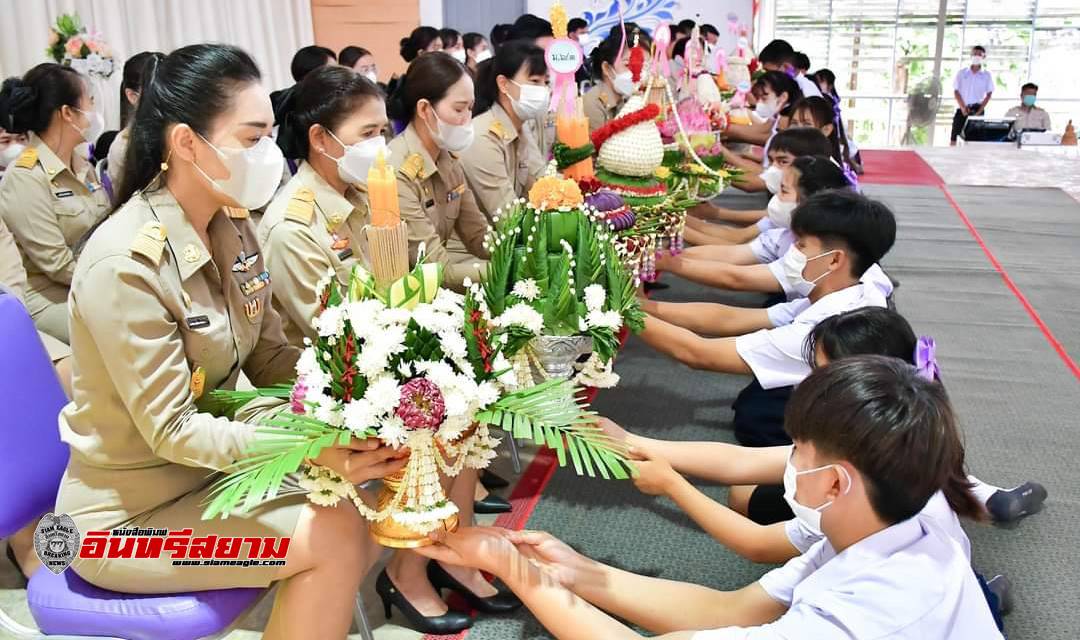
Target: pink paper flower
74, 46
421, 405
296, 397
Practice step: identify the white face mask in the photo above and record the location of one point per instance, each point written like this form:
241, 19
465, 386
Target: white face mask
794, 263
624, 84
766, 109
254, 173
533, 102
772, 177
371, 75
976, 61
809, 516
459, 55
452, 137
780, 211
96, 127
10, 154
483, 55
354, 163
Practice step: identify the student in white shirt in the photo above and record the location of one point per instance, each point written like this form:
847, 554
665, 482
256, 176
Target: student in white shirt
839, 235
972, 89
774, 93
701, 232
873, 444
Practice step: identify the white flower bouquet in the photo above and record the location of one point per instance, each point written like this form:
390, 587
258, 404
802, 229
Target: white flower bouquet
72, 45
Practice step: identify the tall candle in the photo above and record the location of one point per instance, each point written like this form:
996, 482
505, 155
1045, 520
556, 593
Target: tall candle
382, 194
572, 129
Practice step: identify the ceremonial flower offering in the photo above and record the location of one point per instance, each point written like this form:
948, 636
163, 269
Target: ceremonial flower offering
554, 275
72, 45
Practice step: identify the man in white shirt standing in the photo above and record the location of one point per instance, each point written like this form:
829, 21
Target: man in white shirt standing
972, 89
1028, 116
779, 55
874, 441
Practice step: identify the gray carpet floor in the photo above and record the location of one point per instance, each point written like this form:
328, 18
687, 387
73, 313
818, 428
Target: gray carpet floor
1018, 403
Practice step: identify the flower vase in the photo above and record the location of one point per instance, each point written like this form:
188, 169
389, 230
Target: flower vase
393, 534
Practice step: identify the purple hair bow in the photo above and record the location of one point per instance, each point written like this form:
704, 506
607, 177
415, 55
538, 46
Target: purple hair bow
926, 359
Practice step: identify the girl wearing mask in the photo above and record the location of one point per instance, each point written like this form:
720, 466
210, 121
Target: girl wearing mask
503, 161
170, 301
775, 92
50, 195
818, 113
334, 122
11, 147
477, 50
614, 82
452, 44
361, 61
436, 100
129, 99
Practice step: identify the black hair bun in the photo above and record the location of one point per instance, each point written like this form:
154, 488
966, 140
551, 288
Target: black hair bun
18, 104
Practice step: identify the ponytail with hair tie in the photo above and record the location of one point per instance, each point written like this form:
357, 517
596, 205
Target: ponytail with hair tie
848, 172
926, 359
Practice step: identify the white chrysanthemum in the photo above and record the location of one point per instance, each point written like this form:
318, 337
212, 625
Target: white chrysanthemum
391, 338
393, 433
360, 415
426, 316
329, 414
452, 428
394, 315
383, 393
331, 322
594, 297
453, 344
308, 362
364, 317
448, 301
604, 319
440, 373
374, 358
526, 289
456, 403
487, 393
521, 315
405, 370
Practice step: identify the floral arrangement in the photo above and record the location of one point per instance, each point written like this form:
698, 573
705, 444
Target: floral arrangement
72, 45
414, 365
554, 272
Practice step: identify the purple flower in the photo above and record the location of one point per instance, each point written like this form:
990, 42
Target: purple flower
421, 405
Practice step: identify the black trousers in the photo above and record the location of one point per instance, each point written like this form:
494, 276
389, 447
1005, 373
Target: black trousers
759, 416
959, 120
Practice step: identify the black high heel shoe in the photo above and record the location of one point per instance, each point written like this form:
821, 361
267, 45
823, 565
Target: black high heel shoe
448, 623
502, 602
18, 568
492, 504
492, 481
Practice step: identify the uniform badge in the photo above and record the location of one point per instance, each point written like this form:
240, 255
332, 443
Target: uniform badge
253, 307
197, 322
338, 243
192, 253
455, 193
244, 262
56, 540
198, 382
346, 254
255, 285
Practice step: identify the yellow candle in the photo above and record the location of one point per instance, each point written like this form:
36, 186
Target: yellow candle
382, 194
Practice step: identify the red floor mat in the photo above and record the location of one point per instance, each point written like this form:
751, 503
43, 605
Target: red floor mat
897, 167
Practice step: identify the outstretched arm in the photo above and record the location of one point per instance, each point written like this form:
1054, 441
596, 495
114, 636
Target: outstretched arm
707, 318
722, 275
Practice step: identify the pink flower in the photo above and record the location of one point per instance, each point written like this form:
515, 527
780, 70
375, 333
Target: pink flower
296, 397
421, 405
74, 47
93, 45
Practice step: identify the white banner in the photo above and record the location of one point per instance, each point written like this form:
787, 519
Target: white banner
726, 15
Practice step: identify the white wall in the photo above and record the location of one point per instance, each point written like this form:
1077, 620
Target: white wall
431, 13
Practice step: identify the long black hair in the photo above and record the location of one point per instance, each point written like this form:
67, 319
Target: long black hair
326, 97
28, 103
818, 173
508, 59
824, 111
133, 79
419, 40
192, 85
606, 51
429, 77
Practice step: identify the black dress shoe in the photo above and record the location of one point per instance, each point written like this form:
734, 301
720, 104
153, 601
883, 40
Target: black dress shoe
448, 623
491, 504
656, 286
492, 481
502, 602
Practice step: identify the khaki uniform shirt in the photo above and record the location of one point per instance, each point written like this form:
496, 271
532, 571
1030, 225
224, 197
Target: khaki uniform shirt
501, 164
115, 160
49, 208
435, 202
542, 130
1033, 118
307, 230
601, 105
156, 323
13, 281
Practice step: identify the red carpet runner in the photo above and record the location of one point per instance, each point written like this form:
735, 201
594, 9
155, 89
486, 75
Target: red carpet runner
897, 167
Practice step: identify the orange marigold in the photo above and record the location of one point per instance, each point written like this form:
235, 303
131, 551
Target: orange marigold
552, 192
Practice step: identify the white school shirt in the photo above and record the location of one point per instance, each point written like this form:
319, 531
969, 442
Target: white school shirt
782, 313
973, 86
937, 509
772, 243
910, 581
808, 86
776, 355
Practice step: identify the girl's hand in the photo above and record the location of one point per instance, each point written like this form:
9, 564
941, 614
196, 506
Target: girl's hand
363, 460
655, 476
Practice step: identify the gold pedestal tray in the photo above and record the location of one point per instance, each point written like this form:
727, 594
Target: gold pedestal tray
393, 534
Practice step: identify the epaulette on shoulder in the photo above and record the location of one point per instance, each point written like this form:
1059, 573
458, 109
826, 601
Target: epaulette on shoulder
301, 207
27, 159
413, 167
498, 129
237, 213
149, 242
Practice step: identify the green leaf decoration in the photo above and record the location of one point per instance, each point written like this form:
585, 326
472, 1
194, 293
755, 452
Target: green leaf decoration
223, 402
536, 260
549, 414
497, 284
588, 255
561, 310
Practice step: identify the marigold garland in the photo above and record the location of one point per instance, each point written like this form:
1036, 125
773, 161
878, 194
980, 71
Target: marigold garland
601, 135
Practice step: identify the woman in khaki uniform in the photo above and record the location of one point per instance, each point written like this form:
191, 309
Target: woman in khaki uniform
51, 196
316, 223
614, 82
504, 161
129, 98
436, 99
167, 305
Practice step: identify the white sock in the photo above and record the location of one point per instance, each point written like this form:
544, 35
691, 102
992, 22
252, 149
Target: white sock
982, 490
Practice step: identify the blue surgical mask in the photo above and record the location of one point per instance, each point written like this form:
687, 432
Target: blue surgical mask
1029, 100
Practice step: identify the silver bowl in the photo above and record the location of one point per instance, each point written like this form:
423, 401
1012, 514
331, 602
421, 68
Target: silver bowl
557, 354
